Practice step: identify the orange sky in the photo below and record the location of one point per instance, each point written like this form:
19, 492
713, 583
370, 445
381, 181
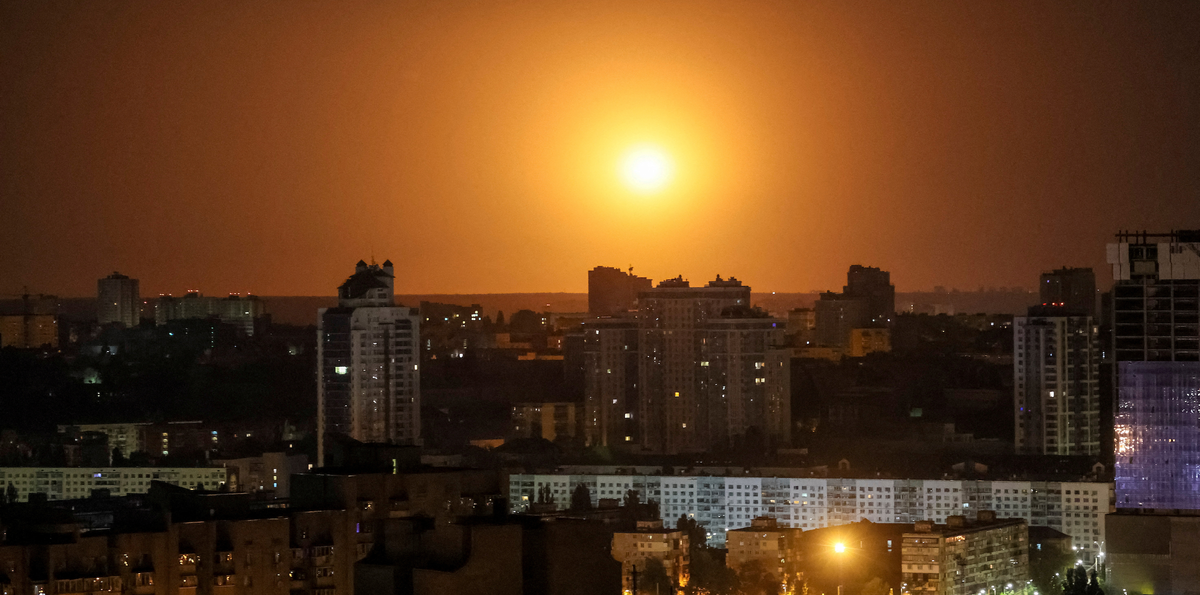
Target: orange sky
266, 147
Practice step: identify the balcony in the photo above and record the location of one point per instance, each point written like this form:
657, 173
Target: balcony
82, 586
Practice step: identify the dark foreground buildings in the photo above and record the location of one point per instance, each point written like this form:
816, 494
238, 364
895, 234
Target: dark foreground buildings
421, 531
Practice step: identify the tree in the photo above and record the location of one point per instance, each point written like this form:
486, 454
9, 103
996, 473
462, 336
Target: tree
710, 575
1080, 581
652, 578
10, 494
697, 536
118, 458
757, 579
876, 586
581, 498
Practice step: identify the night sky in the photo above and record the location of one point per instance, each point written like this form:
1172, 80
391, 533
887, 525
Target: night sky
266, 147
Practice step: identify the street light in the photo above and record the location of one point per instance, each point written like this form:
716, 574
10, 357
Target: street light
839, 548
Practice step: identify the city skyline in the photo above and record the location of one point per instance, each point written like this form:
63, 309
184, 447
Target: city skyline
227, 147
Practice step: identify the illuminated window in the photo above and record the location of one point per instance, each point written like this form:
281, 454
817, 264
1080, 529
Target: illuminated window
341, 370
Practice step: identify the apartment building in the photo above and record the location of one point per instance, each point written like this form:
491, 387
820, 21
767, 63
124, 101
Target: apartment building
721, 504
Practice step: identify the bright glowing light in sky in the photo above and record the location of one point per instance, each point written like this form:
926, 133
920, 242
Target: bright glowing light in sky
839, 547
646, 169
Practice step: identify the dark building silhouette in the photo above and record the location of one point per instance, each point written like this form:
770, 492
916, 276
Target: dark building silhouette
117, 301
874, 286
1070, 288
612, 291
868, 300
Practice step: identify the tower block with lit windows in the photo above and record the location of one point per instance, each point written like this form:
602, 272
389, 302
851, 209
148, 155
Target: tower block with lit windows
711, 370
368, 378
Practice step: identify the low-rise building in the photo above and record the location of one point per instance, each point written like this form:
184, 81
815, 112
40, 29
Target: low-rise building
961, 558
652, 541
1153, 552
764, 542
271, 472
720, 503
72, 483
869, 340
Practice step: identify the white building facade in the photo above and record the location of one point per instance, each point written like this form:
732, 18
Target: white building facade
368, 364
71, 483
723, 503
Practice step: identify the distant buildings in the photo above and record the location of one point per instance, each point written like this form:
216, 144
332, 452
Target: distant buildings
1156, 337
874, 286
961, 558
612, 291
33, 326
651, 542
1070, 288
269, 473
73, 483
368, 361
117, 301
868, 300
720, 504
864, 341
240, 312
710, 369
545, 420
1056, 377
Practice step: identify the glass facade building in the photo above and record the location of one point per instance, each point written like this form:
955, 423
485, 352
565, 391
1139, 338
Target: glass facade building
1158, 435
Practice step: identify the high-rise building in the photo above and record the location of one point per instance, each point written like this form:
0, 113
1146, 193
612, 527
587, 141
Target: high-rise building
612, 291
1156, 345
711, 370
875, 286
1071, 288
117, 301
238, 311
1056, 370
610, 389
368, 357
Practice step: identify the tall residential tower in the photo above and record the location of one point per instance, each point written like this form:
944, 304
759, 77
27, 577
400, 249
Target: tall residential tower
117, 301
1056, 369
368, 379
711, 370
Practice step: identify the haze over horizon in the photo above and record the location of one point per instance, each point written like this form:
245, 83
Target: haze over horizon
267, 147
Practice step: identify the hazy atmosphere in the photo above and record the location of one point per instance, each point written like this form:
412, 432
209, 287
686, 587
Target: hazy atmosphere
260, 147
